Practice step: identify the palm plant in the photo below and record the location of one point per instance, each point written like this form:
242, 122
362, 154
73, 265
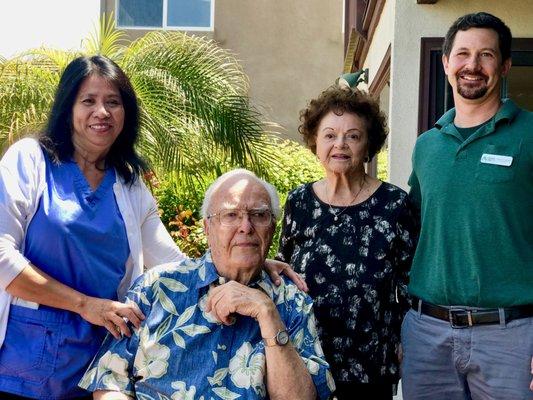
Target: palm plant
196, 120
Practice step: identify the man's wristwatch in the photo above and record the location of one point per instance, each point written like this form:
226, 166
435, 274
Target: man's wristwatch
281, 339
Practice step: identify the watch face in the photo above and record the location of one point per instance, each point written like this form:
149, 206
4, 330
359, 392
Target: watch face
282, 338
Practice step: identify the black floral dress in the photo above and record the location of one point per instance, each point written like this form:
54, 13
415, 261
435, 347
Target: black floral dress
357, 270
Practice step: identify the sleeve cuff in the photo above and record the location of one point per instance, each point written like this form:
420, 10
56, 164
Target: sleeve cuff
12, 267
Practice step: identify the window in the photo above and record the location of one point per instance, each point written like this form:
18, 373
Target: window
165, 14
435, 97
518, 85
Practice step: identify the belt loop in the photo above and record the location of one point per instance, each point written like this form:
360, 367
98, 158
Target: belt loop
469, 315
419, 308
501, 311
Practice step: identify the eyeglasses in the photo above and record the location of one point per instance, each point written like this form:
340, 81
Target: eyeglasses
234, 216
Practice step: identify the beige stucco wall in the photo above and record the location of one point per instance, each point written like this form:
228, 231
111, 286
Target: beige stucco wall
413, 21
291, 50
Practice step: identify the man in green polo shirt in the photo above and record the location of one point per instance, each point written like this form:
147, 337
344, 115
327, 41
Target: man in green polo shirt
470, 332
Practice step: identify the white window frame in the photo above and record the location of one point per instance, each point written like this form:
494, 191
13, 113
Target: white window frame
209, 28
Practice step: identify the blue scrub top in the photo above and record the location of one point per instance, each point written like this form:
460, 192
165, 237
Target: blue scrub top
78, 237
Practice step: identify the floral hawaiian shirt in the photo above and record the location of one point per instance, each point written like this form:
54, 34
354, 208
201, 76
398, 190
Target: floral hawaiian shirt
182, 353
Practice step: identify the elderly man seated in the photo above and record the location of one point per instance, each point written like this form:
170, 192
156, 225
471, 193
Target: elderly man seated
217, 327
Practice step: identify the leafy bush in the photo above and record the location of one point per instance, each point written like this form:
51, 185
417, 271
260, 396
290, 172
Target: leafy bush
294, 166
383, 164
179, 209
180, 203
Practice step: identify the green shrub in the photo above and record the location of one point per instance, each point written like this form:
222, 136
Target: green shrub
179, 209
294, 166
383, 164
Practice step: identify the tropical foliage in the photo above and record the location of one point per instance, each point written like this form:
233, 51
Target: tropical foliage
383, 164
193, 97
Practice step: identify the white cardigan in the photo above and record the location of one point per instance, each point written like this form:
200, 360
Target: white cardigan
23, 181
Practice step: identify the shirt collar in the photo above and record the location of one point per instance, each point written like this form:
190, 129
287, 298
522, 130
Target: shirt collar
507, 111
211, 273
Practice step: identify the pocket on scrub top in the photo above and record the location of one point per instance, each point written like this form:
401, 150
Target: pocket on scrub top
489, 168
29, 350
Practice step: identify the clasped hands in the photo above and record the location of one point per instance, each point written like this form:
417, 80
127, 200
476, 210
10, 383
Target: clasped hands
232, 298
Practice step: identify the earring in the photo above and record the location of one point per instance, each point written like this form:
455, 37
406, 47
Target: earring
366, 159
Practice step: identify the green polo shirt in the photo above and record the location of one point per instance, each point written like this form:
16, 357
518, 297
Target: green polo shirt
476, 239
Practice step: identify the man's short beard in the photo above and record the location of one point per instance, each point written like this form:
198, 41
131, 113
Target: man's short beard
471, 93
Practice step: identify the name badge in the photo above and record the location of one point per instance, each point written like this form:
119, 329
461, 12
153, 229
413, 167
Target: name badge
504, 161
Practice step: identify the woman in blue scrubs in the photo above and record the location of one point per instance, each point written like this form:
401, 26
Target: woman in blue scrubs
77, 225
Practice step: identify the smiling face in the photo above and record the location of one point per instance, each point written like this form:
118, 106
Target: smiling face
97, 116
342, 143
238, 251
475, 66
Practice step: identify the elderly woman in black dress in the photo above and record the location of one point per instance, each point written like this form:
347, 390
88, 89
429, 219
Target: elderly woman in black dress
352, 236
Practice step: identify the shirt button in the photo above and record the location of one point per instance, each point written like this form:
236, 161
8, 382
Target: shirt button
223, 347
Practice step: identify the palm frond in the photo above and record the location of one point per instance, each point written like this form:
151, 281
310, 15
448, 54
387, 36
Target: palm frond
190, 78
46, 58
105, 39
26, 92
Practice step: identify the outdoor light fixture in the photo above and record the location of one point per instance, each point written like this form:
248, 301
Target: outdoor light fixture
353, 79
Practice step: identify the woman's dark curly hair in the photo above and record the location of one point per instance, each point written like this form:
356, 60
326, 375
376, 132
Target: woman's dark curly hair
341, 100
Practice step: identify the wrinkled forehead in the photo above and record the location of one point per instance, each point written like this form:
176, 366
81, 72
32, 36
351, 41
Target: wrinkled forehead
241, 192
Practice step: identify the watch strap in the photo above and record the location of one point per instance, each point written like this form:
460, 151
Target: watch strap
269, 342
274, 341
